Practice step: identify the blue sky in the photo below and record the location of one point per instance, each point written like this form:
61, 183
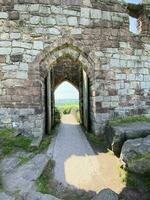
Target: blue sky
66, 90
133, 1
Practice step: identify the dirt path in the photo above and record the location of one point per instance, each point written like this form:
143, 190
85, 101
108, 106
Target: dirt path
77, 165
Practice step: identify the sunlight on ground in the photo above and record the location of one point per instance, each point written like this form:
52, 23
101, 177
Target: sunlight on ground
72, 120
93, 173
78, 166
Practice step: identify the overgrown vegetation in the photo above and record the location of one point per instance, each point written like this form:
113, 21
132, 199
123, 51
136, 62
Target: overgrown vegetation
57, 116
135, 181
129, 119
95, 141
43, 181
66, 109
23, 159
44, 144
10, 143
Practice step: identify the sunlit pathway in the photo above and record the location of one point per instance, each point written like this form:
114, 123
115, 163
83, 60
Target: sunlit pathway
77, 165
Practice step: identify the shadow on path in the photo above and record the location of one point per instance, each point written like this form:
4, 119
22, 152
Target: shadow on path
77, 165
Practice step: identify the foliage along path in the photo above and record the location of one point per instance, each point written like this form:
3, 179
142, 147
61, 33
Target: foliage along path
76, 164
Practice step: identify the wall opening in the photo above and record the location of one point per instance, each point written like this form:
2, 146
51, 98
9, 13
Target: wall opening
67, 72
66, 101
134, 9
133, 25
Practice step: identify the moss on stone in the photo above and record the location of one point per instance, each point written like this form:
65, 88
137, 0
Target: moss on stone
10, 143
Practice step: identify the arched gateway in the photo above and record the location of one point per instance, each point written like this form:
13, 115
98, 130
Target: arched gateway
88, 43
65, 62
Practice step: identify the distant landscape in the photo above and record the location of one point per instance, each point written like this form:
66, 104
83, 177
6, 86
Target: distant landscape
60, 102
66, 106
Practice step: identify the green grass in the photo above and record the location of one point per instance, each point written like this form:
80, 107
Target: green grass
66, 108
95, 140
129, 119
42, 182
23, 159
9, 143
133, 180
127, 178
45, 143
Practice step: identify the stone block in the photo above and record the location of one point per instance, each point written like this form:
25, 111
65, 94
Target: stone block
85, 21
135, 154
53, 31
38, 45
4, 36
5, 51
17, 51
106, 194
48, 20
26, 45
14, 15
44, 10
35, 20
15, 35
34, 8
23, 67
4, 196
76, 31
147, 78
96, 14
85, 12
16, 58
72, 21
70, 12
22, 75
3, 15
56, 9
117, 135
106, 15
61, 20
2, 59
5, 43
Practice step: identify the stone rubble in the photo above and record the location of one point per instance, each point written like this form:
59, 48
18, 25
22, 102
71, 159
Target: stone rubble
135, 154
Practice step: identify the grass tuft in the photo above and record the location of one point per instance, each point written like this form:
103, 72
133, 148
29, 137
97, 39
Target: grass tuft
129, 119
136, 181
10, 143
42, 182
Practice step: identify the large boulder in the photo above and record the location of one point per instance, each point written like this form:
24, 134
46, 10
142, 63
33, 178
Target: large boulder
4, 196
39, 196
23, 177
106, 194
117, 135
136, 155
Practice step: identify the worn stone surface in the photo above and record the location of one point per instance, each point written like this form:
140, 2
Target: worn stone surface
136, 155
4, 196
95, 36
106, 194
22, 178
39, 196
117, 135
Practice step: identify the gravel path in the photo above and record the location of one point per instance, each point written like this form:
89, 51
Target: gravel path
76, 164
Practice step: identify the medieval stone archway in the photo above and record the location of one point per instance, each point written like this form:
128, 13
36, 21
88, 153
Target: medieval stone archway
65, 62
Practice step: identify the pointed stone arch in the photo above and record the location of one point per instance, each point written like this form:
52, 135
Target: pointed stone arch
47, 60
64, 46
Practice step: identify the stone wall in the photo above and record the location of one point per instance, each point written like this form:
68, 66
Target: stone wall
35, 35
